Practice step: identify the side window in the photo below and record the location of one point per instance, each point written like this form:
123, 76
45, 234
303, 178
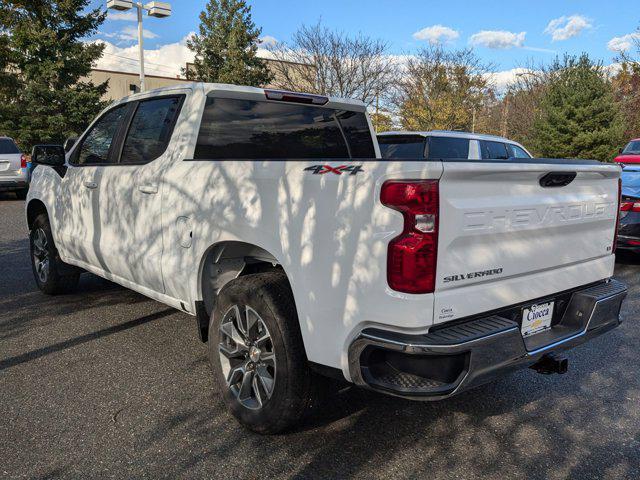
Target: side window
96, 145
493, 150
150, 130
443, 148
516, 152
402, 146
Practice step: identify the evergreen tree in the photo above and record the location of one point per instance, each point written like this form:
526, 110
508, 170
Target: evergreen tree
44, 60
226, 46
578, 113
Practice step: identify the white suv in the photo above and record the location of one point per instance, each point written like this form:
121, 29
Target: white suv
270, 217
448, 145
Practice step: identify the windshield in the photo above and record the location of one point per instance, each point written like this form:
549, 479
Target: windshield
401, 146
632, 148
7, 146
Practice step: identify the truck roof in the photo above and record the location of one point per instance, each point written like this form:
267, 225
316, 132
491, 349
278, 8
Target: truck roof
450, 133
334, 102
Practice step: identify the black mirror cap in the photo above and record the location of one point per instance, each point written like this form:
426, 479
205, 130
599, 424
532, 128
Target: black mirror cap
52, 155
619, 150
69, 143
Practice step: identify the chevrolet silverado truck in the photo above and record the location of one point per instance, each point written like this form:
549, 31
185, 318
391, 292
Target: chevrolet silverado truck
271, 218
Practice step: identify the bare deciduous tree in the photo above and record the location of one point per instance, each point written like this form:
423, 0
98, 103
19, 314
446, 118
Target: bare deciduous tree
323, 61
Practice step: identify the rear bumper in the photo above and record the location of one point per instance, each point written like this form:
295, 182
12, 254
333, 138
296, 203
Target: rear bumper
627, 242
13, 183
450, 360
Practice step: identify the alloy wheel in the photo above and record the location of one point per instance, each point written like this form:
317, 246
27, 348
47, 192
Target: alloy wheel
247, 356
41, 258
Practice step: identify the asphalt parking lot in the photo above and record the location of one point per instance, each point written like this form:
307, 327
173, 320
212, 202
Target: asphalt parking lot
108, 384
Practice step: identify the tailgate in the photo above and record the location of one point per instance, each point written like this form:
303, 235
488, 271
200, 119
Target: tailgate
504, 238
10, 164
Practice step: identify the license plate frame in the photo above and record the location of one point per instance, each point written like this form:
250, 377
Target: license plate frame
536, 318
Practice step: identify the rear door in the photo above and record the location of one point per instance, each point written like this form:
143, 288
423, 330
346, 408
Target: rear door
507, 233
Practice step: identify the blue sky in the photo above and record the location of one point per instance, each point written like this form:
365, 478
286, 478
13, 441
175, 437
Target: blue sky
508, 34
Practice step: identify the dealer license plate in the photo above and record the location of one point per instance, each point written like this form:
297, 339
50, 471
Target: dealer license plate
536, 318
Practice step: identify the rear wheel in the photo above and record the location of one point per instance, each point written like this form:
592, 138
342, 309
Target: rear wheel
257, 354
52, 275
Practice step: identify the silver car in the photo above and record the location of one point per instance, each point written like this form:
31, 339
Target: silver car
14, 171
448, 145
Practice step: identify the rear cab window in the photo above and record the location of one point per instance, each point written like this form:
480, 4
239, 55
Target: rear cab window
252, 129
8, 147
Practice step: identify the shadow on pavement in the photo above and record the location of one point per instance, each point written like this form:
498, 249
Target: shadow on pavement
34, 354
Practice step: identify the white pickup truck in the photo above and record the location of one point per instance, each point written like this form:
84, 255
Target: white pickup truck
271, 218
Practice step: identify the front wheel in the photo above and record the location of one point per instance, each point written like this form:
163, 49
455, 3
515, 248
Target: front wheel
257, 354
52, 275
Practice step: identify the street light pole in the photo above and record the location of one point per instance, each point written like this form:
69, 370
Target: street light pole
153, 9
141, 45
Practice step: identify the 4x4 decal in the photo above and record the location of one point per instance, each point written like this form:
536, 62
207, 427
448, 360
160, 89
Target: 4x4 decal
322, 169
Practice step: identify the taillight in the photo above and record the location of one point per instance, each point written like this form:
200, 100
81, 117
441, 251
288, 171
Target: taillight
412, 255
630, 207
23, 161
615, 233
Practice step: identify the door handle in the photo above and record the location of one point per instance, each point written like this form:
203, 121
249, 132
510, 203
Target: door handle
148, 189
91, 185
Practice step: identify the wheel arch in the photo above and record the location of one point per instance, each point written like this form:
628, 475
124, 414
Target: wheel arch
35, 208
222, 262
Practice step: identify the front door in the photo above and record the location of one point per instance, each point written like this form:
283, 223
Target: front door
77, 222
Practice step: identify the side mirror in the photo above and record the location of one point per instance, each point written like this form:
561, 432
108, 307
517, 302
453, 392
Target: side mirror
69, 143
52, 155
619, 151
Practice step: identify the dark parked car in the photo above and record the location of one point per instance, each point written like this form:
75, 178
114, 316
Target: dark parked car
629, 230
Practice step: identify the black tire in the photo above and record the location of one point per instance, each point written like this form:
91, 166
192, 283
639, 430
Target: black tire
270, 296
56, 277
22, 194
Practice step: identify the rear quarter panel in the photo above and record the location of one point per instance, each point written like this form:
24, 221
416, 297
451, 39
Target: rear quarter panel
329, 232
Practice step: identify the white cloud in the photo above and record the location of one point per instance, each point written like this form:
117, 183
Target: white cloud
123, 16
623, 43
497, 39
436, 34
166, 60
503, 79
131, 33
565, 27
268, 41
